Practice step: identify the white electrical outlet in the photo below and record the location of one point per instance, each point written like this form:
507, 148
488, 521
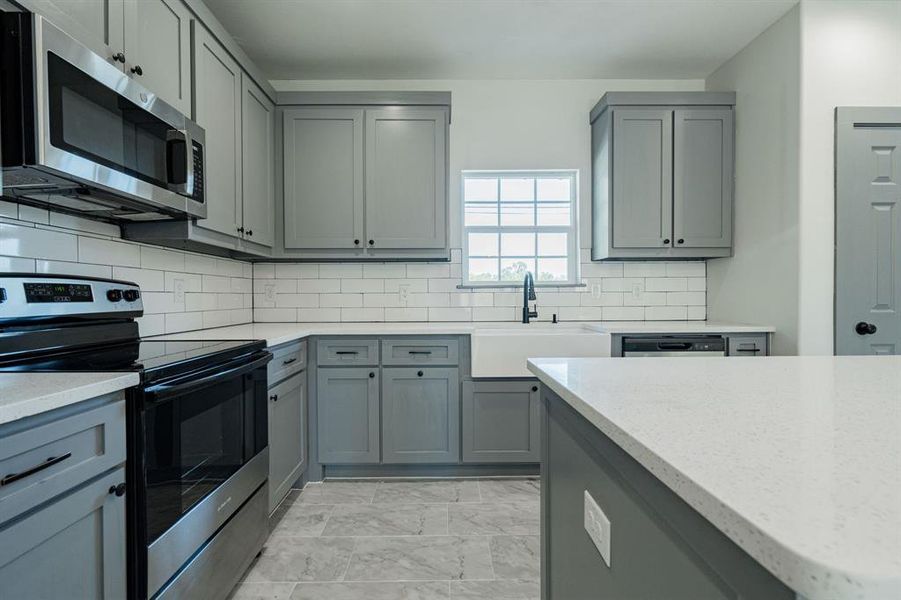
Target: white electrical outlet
596, 291
598, 527
269, 292
403, 292
178, 289
637, 290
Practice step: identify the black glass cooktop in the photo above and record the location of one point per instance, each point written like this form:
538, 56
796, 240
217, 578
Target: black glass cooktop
140, 355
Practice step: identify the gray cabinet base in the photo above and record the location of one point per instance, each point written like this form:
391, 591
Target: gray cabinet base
660, 546
499, 470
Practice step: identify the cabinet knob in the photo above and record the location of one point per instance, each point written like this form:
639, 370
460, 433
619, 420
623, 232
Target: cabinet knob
372, 242
864, 328
356, 242
250, 232
419, 373
534, 388
118, 490
137, 70
371, 375
274, 397
118, 57
680, 241
240, 230
666, 241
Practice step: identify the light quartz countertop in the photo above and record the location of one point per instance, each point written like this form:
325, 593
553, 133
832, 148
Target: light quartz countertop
26, 394
280, 333
796, 459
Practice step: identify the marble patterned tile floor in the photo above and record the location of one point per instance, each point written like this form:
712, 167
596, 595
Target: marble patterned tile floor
461, 539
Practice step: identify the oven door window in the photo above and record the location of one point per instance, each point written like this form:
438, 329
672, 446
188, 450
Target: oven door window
92, 121
193, 443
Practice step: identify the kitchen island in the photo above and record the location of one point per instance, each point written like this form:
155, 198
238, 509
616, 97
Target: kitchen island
763, 478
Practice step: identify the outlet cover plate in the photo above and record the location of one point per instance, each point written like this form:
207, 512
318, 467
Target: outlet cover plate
597, 525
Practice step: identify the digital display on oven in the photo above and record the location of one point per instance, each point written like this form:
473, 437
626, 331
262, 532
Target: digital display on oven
58, 292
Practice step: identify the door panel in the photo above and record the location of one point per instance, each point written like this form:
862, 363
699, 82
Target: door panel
348, 415
257, 155
501, 422
287, 436
98, 24
702, 178
323, 177
421, 415
868, 230
217, 108
158, 40
406, 189
642, 177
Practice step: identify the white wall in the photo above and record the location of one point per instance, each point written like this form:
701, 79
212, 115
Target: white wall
850, 56
758, 284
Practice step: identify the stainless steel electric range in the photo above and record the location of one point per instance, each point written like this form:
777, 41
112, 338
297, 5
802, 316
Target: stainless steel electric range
197, 440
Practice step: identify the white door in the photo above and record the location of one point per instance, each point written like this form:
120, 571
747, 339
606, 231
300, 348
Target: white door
868, 231
158, 49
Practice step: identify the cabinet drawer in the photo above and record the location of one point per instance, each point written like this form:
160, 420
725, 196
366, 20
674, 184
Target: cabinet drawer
348, 352
420, 352
746, 345
286, 361
54, 456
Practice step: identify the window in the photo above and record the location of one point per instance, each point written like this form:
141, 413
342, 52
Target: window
518, 221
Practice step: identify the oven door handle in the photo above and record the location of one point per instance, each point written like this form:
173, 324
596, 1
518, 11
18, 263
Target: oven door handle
207, 378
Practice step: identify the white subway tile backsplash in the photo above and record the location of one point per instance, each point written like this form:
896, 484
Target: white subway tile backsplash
385, 271
60, 267
579, 313
413, 286
697, 313
605, 269
229, 268
295, 271
362, 286
624, 313
9, 210
696, 284
686, 269
450, 314
621, 284
34, 214
341, 300
161, 302
186, 321
297, 300
382, 300
280, 286
192, 282
646, 269
149, 325
318, 315
162, 259
407, 314
666, 313
14, 264
148, 280
200, 301
493, 313
26, 241
110, 252
216, 283
241, 285
477, 299
428, 271
340, 271
274, 315
443, 285
266, 271
318, 286
359, 315
666, 284
428, 300
645, 299
686, 298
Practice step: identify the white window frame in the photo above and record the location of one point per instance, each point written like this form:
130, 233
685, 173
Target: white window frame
572, 276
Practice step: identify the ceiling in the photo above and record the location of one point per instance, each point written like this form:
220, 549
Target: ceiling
494, 39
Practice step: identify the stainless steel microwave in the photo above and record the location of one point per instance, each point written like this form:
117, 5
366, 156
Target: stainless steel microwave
81, 136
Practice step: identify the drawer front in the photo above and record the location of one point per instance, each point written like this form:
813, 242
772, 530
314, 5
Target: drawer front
39, 463
747, 345
333, 353
421, 352
286, 361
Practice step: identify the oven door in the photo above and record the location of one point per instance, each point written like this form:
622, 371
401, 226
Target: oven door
204, 452
97, 125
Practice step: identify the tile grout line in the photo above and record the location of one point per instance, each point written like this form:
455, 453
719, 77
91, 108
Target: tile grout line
349, 558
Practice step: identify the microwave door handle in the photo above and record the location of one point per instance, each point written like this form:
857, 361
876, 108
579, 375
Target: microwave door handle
167, 391
183, 135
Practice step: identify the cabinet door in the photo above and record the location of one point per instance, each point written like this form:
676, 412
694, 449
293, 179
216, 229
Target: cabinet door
217, 108
98, 24
406, 178
287, 435
158, 46
323, 177
348, 415
420, 415
642, 178
702, 178
73, 548
258, 178
501, 422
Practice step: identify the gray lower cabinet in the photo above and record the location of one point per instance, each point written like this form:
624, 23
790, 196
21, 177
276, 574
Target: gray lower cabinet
662, 175
659, 546
750, 344
287, 435
348, 415
501, 422
420, 415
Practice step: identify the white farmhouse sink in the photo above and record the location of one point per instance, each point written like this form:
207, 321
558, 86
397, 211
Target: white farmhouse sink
502, 352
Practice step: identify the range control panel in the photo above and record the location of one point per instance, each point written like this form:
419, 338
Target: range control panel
32, 296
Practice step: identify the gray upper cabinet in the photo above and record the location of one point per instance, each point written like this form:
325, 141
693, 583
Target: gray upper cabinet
501, 422
258, 160
158, 48
348, 415
98, 24
287, 435
420, 415
702, 178
217, 108
323, 178
662, 175
406, 188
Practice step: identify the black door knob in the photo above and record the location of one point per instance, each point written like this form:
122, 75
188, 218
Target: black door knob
372, 242
419, 373
118, 57
864, 328
118, 490
137, 70
534, 388
356, 242
371, 375
240, 230
666, 241
680, 241
274, 397
250, 232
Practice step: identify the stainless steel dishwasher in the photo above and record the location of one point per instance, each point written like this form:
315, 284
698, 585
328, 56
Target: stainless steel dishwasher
685, 345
